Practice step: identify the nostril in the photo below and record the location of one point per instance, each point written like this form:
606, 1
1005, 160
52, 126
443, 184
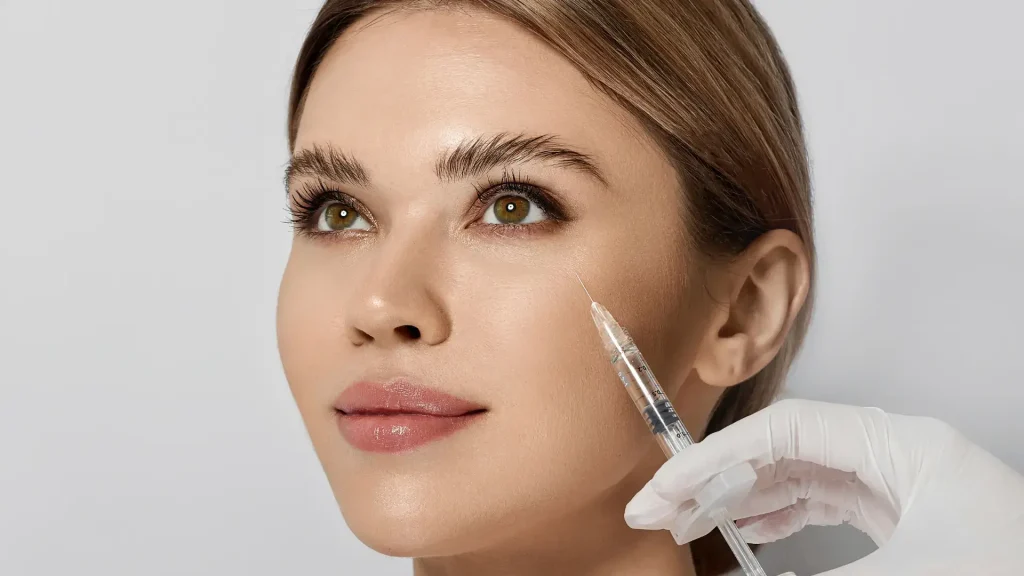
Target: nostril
408, 332
360, 337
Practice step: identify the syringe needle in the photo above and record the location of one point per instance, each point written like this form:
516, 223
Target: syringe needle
584, 286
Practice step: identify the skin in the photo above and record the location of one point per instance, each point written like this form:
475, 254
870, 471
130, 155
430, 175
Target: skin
539, 483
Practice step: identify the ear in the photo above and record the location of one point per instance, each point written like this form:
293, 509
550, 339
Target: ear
758, 295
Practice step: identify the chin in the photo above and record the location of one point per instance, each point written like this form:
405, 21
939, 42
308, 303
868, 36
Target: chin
405, 545
414, 540
420, 531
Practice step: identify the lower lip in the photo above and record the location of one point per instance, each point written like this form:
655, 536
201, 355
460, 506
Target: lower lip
398, 432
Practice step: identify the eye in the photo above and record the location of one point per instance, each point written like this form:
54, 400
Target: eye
513, 209
336, 216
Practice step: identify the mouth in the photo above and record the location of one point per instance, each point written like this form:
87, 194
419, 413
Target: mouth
398, 415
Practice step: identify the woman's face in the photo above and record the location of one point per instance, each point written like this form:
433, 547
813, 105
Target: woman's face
451, 175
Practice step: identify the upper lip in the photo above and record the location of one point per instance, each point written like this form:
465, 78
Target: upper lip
400, 396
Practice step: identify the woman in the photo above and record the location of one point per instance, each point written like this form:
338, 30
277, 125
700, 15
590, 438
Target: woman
454, 166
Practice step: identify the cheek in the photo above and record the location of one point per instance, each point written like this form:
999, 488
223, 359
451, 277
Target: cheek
309, 335
293, 338
559, 406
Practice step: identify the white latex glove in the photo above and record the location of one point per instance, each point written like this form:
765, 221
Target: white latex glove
934, 502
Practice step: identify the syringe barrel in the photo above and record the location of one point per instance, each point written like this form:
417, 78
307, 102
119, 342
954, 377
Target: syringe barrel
650, 400
661, 416
672, 436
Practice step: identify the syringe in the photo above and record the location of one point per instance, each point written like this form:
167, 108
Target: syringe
661, 417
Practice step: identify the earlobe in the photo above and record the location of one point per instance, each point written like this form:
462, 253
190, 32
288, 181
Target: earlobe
721, 361
758, 296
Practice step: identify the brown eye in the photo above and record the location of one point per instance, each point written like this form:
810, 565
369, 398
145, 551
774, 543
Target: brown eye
511, 209
337, 216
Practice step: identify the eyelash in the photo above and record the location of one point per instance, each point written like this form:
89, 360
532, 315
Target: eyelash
309, 199
512, 184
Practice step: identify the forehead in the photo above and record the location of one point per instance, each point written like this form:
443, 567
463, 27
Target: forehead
424, 78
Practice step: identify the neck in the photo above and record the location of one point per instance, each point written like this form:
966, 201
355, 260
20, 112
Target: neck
593, 542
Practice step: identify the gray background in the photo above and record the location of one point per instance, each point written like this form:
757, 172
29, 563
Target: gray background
145, 425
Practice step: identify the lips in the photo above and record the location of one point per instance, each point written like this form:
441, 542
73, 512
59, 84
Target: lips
398, 415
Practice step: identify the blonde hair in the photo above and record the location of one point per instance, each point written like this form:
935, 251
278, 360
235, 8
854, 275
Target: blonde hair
708, 82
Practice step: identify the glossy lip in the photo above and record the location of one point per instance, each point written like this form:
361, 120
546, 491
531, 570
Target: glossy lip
398, 415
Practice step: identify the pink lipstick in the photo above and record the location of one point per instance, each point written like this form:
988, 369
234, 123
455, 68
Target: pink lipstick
398, 415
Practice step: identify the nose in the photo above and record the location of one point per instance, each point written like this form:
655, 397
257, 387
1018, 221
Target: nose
396, 316
399, 301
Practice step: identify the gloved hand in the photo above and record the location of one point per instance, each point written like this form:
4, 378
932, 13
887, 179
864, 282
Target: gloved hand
933, 502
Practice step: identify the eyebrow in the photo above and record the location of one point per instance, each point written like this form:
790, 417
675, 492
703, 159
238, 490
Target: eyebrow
481, 155
327, 162
468, 159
